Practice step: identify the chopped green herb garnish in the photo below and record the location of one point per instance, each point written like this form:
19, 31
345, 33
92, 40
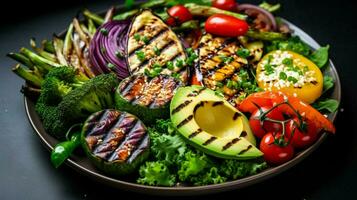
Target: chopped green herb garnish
219, 84
111, 65
104, 31
292, 79
137, 37
156, 51
145, 39
288, 61
157, 69
170, 65
230, 84
179, 63
119, 54
176, 75
268, 69
244, 53
283, 76
226, 59
103, 50
140, 55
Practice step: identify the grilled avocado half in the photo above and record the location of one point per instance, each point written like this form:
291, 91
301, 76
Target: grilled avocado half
213, 125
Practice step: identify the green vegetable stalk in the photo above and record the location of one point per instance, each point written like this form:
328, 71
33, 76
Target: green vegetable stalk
27, 75
21, 59
186, 26
207, 11
268, 36
270, 7
96, 18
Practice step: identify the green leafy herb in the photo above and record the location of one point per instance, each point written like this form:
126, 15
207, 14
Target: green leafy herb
140, 55
104, 31
145, 39
156, 51
328, 83
292, 79
179, 63
170, 65
226, 59
320, 56
329, 105
137, 37
283, 76
111, 65
129, 4
244, 53
119, 54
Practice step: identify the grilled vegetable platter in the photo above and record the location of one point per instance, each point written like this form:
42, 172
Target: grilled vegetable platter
178, 93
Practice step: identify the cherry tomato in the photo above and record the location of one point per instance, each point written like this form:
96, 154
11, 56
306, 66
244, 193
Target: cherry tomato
270, 98
256, 125
275, 153
301, 136
226, 25
230, 5
178, 15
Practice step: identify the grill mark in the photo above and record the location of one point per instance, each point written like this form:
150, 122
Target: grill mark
185, 121
217, 103
229, 144
243, 134
197, 106
113, 155
105, 137
209, 141
314, 82
224, 44
245, 150
192, 135
181, 106
196, 93
162, 31
236, 115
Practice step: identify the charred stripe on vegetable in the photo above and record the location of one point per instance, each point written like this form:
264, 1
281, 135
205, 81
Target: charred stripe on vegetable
185, 121
161, 32
229, 144
235, 116
217, 103
245, 150
209, 141
196, 93
181, 106
192, 135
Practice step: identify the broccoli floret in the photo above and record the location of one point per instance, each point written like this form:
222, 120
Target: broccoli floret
156, 173
59, 82
93, 96
66, 99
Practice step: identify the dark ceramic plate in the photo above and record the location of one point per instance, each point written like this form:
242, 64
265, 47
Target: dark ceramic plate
83, 165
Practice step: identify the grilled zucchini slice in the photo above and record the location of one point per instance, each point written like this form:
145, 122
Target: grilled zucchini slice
147, 98
219, 65
152, 43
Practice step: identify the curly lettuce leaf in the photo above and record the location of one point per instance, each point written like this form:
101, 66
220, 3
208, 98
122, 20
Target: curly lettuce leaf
156, 174
293, 43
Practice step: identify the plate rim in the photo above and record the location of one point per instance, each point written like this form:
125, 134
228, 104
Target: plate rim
207, 189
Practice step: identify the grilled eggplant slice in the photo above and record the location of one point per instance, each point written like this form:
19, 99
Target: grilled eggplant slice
219, 64
147, 98
116, 142
152, 43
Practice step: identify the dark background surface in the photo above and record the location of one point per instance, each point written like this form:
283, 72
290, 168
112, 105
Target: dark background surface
25, 168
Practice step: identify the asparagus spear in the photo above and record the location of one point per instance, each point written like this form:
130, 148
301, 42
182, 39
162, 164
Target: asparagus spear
269, 36
21, 59
125, 15
206, 11
67, 44
27, 75
58, 44
43, 63
109, 15
48, 46
189, 25
41, 52
30, 91
80, 32
96, 18
92, 29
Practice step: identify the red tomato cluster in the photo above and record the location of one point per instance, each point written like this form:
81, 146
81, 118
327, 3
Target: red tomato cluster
284, 124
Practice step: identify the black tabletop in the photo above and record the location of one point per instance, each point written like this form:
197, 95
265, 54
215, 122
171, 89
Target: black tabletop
25, 168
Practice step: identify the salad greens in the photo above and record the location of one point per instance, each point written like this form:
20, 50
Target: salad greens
172, 161
329, 105
320, 56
